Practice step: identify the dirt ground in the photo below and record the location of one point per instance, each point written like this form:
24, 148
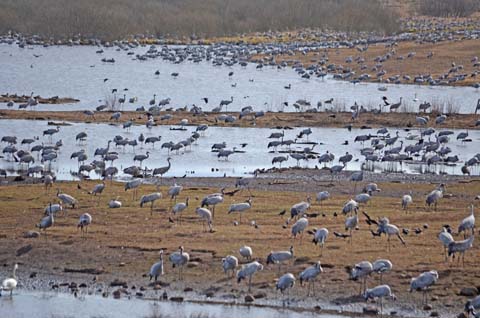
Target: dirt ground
123, 243
270, 120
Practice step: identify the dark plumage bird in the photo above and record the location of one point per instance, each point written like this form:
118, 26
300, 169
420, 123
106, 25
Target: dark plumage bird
369, 220
341, 235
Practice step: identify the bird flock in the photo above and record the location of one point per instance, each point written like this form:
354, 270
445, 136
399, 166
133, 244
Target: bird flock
246, 266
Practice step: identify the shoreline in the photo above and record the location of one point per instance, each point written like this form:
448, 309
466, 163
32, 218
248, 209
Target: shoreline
269, 120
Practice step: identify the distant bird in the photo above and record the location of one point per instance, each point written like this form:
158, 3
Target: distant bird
406, 201
309, 275
361, 271
446, 238
246, 252
320, 237
468, 223
279, 257
9, 284
150, 198
423, 282
248, 270
115, 204
379, 292
157, 269
322, 196
179, 259
83, 223
229, 263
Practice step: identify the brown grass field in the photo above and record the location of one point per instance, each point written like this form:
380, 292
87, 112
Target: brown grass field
125, 242
444, 54
270, 120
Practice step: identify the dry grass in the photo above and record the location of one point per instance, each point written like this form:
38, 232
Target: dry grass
270, 120
132, 236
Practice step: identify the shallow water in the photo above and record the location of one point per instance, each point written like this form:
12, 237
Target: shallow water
79, 73
57, 305
199, 161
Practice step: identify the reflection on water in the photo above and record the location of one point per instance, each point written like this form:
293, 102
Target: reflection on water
79, 73
52, 305
198, 160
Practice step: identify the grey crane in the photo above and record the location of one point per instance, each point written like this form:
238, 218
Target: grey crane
206, 217
279, 257
406, 201
229, 263
361, 271
240, 207
174, 191
150, 198
285, 283
468, 223
141, 158
460, 247
157, 268
179, 259
248, 270
45, 223
246, 252
434, 196
379, 292
423, 282
133, 185
213, 199
299, 228
162, 170
446, 238
310, 275
178, 208
67, 200
382, 266
385, 227
83, 223
320, 237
